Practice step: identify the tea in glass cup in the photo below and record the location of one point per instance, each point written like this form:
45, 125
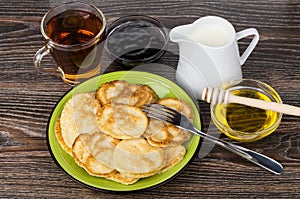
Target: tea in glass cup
74, 34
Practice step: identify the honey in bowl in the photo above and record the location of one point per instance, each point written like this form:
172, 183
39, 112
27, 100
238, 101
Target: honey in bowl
245, 123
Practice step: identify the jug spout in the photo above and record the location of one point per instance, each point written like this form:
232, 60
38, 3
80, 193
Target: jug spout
179, 33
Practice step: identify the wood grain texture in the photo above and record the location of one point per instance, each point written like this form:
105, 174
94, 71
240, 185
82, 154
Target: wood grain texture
27, 100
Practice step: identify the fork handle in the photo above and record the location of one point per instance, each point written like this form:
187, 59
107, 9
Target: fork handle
252, 156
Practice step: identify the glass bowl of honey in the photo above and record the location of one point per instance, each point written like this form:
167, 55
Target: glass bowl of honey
244, 123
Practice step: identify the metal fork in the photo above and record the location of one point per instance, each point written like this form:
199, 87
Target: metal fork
176, 118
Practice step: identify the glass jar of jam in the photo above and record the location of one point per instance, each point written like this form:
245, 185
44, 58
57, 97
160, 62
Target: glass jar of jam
135, 40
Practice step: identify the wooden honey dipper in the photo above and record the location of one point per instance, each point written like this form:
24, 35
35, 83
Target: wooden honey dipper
218, 96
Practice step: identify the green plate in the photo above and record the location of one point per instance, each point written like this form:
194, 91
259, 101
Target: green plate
164, 88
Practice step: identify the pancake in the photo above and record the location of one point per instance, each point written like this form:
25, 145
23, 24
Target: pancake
79, 116
122, 92
157, 133
84, 157
102, 147
136, 158
80, 151
60, 139
168, 134
174, 154
96, 168
178, 105
179, 135
121, 178
142, 95
110, 90
122, 121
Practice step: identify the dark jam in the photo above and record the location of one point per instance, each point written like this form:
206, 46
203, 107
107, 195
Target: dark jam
135, 42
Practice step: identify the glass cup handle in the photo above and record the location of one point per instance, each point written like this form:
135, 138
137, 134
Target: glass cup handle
250, 48
55, 71
38, 58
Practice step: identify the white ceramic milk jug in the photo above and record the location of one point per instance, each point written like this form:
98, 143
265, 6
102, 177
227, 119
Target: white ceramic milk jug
209, 54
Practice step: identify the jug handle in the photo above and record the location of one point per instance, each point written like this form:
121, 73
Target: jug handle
246, 33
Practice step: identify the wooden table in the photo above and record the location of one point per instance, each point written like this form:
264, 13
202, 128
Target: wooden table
27, 100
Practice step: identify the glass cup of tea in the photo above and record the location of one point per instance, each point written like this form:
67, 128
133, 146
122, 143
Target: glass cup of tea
74, 34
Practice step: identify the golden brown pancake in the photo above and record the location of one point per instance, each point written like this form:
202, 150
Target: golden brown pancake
122, 121
80, 150
110, 90
121, 178
79, 116
157, 133
102, 147
96, 168
166, 134
174, 154
59, 137
84, 157
142, 95
179, 105
122, 92
137, 159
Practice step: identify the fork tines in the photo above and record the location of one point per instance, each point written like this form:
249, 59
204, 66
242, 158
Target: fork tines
159, 112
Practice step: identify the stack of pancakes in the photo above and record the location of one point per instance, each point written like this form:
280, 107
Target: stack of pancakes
109, 135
